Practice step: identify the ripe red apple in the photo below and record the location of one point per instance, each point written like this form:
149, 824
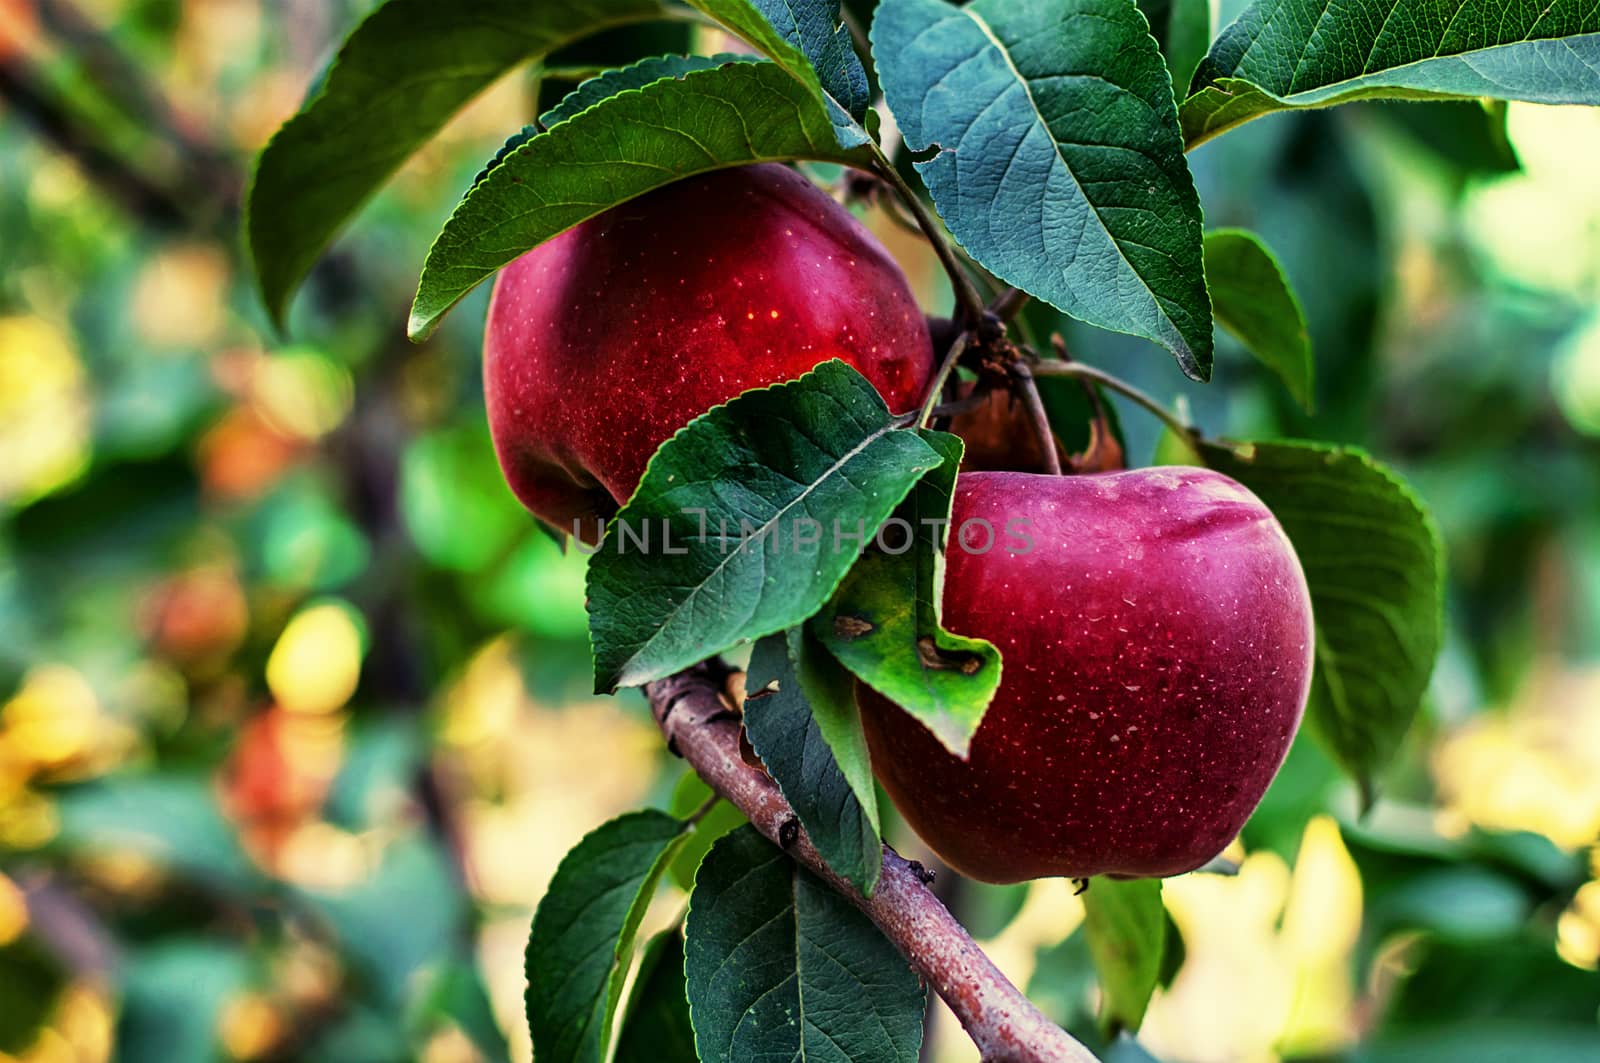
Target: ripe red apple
1157, 647
604, 341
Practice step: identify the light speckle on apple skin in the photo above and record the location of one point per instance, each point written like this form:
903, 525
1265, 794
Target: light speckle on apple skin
604, 341
1157, 648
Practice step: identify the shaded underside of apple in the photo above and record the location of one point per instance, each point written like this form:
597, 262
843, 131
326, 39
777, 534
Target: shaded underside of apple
1157, 651
604, 341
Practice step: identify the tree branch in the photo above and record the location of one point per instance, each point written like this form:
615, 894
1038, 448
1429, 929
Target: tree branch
1002, 1022
1037, 414
134, 190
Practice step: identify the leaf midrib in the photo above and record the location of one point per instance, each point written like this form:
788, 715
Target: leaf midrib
1334, 86
1055, 146
717, 571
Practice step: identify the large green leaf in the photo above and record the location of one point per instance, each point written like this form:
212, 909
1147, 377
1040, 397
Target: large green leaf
1127, 929
1374, 563
634, 76
396, 81
1251, 298
1055, 156
808, 38
756, 510
883, 622
582, 940
800, 715
780, 966
1183, 29
1314, 53
630, 143
656, 1028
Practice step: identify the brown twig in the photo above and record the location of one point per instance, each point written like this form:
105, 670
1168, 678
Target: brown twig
141, 196
1121, 387
1009, 304
1023, 375
936, 386
1001, 1021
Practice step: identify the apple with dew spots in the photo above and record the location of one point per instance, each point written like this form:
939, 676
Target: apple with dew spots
604, 341
1157, 646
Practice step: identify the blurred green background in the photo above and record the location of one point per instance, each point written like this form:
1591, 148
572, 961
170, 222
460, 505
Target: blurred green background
294, 722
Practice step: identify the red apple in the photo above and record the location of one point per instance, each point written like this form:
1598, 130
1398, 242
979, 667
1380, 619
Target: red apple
604, 341
1157, 647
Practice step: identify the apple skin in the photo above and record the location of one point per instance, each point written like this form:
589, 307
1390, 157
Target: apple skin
604, 341
1157, 646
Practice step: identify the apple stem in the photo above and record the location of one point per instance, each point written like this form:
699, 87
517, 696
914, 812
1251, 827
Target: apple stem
1121, 387
936, 387
1022, 374
968, 302
1002, 1022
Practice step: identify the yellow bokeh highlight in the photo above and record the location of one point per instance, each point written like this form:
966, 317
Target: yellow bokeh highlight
54, 719
535, 778
302, 393
13, 911
1266, 969
1535, 767
1541, 225
326, 858
180, 298
1575, 377
316, 664
27, 821
44, 410
1578, 929
1051, 912
250, 1026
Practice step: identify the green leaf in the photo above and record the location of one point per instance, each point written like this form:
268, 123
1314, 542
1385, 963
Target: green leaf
687, 798
808, 39
1374, 563
883, 622
1127, 929
582, 940
1183, 29
630, 143
602, 87
656, 1028
779, 966
1468, 136
396, 81
1251, 298
637, 76
756, 510
1284, 54
801, 718
1057, 160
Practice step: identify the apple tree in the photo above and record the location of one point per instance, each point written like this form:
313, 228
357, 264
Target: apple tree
922, 531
